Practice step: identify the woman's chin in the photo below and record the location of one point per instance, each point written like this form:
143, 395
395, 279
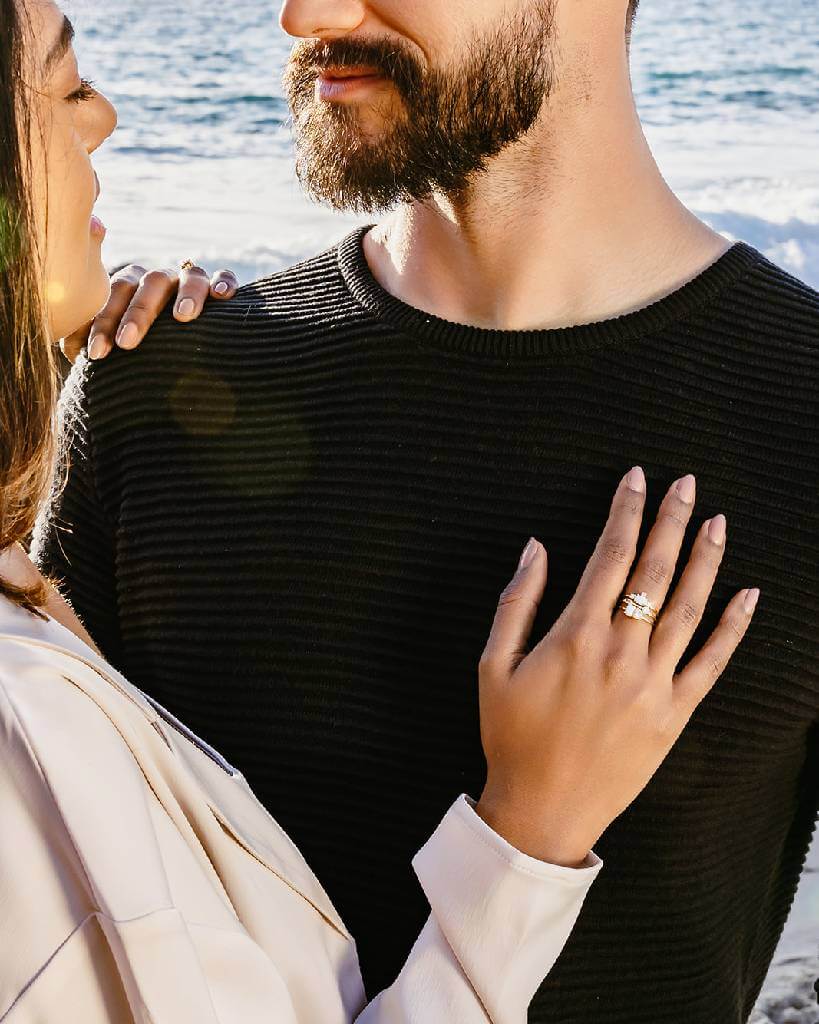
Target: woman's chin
99, 287
73, 305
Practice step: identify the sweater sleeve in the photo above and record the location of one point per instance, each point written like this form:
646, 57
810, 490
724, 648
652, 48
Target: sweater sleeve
499, 921
74, 539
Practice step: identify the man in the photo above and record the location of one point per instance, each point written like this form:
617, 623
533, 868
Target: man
290, 522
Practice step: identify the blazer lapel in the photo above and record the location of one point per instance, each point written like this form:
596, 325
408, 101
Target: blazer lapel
223, 789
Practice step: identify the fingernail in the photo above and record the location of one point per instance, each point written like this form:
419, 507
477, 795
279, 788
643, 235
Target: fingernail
186, 307
96, 346
636, 480
127, 336
751, 599
716, 529
686, 488
222, 288
528, 553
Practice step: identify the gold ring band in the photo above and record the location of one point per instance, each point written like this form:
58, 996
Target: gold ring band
638, 606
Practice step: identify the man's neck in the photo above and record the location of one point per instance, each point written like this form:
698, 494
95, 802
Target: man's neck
574, 223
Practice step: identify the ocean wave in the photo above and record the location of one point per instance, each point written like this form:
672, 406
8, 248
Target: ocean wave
794, 246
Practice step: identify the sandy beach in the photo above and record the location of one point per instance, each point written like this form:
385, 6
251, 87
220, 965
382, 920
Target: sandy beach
788, 996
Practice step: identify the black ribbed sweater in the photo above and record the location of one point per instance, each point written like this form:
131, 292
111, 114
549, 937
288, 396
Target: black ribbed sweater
291, 521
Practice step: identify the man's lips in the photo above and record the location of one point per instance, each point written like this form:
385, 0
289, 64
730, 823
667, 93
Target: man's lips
343, 83
332, 74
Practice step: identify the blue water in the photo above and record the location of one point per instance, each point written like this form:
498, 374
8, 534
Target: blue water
752, 63
201, 164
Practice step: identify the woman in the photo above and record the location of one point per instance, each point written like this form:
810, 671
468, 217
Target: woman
140, 879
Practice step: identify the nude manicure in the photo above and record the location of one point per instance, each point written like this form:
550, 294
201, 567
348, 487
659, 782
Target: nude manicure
528, 553
716, 529
96, 347
751, 599
128, 336
636, 480
686, 488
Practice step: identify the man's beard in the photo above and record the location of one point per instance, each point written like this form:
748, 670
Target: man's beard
437, 128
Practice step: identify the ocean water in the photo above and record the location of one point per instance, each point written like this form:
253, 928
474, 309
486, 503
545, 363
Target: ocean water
201, 167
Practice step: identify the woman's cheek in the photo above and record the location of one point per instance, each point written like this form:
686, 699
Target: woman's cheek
77, 284
38, 167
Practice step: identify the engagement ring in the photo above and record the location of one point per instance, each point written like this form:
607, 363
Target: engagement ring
638, 606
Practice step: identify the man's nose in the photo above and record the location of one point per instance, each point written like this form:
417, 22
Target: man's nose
322, 19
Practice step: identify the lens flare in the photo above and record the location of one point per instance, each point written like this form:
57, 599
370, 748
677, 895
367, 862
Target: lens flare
55, 293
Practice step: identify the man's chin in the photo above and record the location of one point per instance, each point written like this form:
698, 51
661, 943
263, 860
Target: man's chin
361, 182
349, 196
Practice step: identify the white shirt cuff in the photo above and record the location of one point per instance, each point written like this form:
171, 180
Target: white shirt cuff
505, 915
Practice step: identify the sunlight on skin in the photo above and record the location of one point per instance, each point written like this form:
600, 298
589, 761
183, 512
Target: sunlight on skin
69, 123
55, 293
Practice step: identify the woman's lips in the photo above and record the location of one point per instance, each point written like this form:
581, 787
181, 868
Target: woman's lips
338, 83
97, 227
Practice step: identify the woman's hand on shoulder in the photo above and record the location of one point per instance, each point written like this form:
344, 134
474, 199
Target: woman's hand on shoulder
137, 298
574, 730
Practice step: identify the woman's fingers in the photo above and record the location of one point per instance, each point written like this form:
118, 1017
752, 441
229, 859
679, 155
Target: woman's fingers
72, 345
657, 563
676, 625
699, 675
155, 288
223, 284
517, 607
194, 290
124, 286
605, 574
138, 297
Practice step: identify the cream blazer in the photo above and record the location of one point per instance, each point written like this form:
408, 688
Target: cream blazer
141, 880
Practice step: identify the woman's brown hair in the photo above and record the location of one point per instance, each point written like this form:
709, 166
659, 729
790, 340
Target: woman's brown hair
29, 381
631, 14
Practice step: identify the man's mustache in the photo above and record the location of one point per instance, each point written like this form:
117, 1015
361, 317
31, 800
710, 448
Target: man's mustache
391, 60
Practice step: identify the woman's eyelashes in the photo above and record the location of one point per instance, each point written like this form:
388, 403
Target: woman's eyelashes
85, 92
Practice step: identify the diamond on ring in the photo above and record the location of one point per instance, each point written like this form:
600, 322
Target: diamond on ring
187, 265
638, 606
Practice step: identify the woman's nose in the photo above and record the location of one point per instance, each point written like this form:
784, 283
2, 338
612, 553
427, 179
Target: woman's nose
322, 19
105, 121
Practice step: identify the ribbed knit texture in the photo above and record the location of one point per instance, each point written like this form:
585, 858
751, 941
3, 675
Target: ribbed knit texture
291, 521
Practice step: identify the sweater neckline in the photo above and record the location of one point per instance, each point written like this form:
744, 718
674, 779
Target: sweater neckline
685, 300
